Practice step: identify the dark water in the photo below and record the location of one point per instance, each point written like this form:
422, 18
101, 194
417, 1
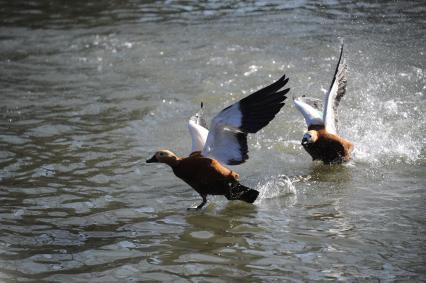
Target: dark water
89, 90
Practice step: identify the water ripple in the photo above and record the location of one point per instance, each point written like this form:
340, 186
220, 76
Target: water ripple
90, 90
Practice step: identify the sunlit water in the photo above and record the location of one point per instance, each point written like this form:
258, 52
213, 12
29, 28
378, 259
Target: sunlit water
90, 90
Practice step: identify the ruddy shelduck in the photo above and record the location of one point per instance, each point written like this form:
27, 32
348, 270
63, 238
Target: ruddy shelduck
225, 143
321, 140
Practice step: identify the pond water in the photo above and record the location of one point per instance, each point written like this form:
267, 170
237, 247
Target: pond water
89, 90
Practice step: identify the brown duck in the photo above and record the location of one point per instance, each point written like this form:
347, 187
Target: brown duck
225, 143
321, 140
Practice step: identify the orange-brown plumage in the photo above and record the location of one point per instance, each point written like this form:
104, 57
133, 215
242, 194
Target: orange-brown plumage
328, 147
322, 141
206, 176
225, 143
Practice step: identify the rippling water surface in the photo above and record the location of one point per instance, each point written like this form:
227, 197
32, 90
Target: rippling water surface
89, 90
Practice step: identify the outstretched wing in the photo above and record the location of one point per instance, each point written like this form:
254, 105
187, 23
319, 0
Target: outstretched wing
310, 109
198, 129
198, 118
227, 139
334, 95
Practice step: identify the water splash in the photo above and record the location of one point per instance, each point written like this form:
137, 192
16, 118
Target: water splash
275, 186
385, 127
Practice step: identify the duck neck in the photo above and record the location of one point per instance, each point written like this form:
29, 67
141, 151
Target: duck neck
173, 162
316, 128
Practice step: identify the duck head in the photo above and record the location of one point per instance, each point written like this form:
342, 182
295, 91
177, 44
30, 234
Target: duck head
164, 156
309, 137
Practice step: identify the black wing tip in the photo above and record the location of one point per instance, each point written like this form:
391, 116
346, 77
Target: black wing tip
254, 119
284, 92
273, 87
202, 105
259, 108
254, 124
285, 81
237, 162
281, 82
284, 78
339, 62
242, 141
341, 54
265, 94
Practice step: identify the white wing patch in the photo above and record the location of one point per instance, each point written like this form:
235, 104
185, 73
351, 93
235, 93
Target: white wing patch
329, 114
222, 142
198, 135
312, 115
334, 95
227, 139
198, 129
229, 145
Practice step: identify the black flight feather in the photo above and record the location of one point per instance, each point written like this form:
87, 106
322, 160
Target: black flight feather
242, 141
259, 108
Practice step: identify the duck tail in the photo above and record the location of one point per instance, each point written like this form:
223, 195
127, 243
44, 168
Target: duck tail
240, 192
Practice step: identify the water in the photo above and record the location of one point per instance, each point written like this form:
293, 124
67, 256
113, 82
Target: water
90, 90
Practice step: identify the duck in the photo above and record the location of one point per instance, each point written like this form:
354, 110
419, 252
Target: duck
224, 143
322, 140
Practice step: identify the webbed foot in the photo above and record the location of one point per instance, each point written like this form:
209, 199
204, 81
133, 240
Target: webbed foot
198, 207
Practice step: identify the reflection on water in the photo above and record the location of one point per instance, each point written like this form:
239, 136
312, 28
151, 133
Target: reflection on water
90, 89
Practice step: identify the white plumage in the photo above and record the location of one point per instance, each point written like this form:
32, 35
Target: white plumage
227, 139
313, 116
198, 135
222, 142
310, 107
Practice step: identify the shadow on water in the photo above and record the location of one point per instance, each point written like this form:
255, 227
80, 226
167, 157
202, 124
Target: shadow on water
338, 173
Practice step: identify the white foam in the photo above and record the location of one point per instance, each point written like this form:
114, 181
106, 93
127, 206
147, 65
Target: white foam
275, 186
384, 128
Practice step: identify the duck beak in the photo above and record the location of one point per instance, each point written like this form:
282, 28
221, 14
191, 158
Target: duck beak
152, 160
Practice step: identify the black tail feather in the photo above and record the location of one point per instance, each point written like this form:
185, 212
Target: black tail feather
240, 192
